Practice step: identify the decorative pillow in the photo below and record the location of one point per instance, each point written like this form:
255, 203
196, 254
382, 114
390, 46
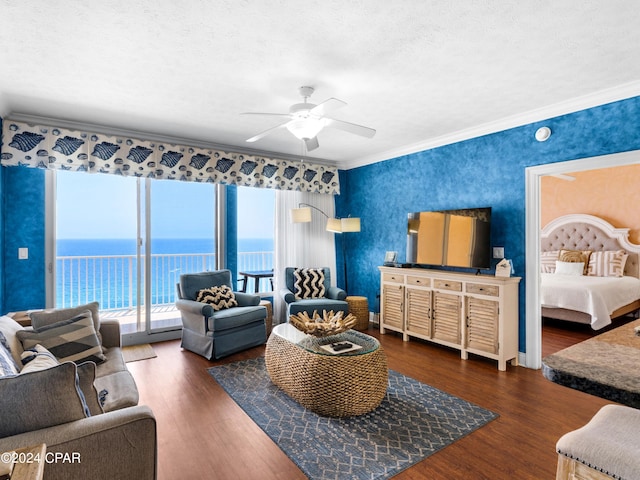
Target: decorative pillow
576, 256
7, 364
609, 263
308, 283
9, 327
218, 297
569, 268
548, 261
42, 318
37, 358
40, 399
72, 340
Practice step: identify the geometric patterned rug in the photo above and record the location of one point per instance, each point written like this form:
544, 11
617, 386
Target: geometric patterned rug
413, 421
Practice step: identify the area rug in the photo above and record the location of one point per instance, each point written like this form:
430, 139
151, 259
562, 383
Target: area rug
412, 422
605, 365
134, 353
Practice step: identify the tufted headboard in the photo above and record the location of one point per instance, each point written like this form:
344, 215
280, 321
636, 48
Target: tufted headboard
586, 232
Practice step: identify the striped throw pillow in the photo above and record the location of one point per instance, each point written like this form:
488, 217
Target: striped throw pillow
73, 340
609, 263
218, 297
308, 283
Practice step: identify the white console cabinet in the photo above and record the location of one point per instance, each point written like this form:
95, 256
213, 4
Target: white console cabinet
473, 313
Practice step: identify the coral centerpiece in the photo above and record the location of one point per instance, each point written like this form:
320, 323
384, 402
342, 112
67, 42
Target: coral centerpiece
329, 324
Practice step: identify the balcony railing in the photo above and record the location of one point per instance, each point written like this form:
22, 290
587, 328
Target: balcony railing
112, 280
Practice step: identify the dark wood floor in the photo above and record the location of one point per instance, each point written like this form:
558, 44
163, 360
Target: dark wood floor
202, 433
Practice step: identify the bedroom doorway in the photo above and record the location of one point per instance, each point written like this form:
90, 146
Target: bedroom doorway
533, 176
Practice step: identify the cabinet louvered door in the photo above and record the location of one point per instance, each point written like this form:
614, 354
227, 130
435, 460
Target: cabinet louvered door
446, 317
482, 325
392, 306
419, 311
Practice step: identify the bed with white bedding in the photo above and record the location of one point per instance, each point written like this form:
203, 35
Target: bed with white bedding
608, 283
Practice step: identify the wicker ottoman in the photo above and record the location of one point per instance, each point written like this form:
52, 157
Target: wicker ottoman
341, 385
359, 308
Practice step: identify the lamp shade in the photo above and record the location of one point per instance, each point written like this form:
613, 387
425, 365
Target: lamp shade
350, 224
334, 225
301, 215
305, 128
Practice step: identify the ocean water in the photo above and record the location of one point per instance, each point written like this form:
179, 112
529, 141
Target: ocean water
106, 270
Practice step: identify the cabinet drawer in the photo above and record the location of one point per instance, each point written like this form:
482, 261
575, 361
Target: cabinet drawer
392, 277
481, 289
448, 285
421, 281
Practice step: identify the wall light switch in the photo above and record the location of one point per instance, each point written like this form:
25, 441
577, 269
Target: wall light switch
23, 253
498, 252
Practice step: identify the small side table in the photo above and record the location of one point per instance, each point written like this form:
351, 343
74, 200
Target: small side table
269, 319
359, 307
32, 465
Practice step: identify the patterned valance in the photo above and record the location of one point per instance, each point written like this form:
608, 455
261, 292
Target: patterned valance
64, 149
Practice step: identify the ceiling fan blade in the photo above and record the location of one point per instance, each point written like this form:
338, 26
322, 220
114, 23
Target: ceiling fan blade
328, 106
267, 114
350, 127
311, 143
267, 132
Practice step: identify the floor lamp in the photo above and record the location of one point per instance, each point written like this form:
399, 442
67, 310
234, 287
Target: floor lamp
335, 225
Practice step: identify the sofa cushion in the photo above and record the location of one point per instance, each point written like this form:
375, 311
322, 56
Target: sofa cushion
43, 318
308, 283
236, 317
7, 363
218, 297
72, 340
40, 399
9, 328
86, 382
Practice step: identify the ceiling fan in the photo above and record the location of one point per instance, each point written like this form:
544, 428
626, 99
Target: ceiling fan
306, 120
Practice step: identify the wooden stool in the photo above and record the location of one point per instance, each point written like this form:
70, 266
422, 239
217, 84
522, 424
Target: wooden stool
269, 319
606, 447
359, 308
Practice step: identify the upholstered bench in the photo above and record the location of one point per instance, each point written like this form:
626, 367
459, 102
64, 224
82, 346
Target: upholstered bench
606, 447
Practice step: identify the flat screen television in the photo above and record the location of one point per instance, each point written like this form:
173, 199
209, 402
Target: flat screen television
450, 238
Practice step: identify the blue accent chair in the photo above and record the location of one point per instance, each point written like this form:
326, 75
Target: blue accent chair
216, 334
334, 298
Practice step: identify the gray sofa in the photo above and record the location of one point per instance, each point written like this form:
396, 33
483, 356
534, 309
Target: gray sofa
102, 426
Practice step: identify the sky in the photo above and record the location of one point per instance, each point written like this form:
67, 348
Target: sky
103, 206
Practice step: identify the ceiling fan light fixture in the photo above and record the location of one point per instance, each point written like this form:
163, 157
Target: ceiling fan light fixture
306, 128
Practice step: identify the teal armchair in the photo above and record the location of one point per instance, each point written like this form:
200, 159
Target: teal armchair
334, 298
216, 334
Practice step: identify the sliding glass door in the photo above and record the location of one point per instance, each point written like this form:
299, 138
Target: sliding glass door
124, 242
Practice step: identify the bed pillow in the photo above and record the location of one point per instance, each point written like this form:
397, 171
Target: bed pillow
609, 263
569, 268
548, 261
576, 256
72, 340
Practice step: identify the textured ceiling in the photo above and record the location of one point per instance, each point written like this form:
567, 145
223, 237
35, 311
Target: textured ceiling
420, 72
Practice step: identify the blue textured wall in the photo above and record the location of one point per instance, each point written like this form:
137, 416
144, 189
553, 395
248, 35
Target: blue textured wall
484, 171
24, 224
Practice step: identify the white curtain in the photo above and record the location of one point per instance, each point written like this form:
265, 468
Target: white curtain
301, 244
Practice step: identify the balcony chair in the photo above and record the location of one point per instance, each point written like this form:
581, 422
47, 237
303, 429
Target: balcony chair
333, 298
216, 333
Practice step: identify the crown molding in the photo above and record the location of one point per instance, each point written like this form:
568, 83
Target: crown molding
602, 97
